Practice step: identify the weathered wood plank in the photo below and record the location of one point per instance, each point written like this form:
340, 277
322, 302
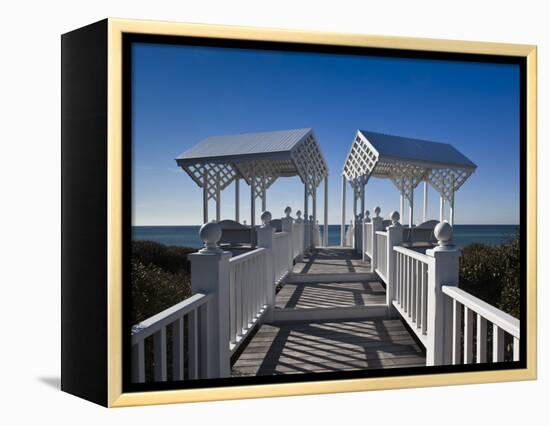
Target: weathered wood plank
329, 346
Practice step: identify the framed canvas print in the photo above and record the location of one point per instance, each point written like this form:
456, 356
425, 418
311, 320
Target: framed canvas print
255, 212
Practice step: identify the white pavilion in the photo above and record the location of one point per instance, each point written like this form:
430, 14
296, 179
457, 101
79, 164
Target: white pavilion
406, 162
259, 159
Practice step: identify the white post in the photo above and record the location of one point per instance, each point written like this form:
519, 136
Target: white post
325, 212
204, 197
376, 226
395, 237
210, 275
411, 209
354, 204
314, 204
425, 211
237, 201
442, 270
343, 223
401, 204
265, 239
452, 210
218, 198
252, 202
286, 226
441, 208
366, 219
264, 195
307, 233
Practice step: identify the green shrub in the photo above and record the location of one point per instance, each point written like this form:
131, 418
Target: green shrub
492, 273
160, 278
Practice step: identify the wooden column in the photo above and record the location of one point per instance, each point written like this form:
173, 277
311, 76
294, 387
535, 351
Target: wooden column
452, 210
264, 196
343, 221
237, 201
411, 209
441, 208
218, 198
204, 196
252, 202
401, 204
325, 212
362, 211
425, 211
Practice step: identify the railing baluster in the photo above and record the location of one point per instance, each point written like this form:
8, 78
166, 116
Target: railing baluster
413, 293
178, 346
481, 340
193, 345
516, 349
498, 344
424, 285
138, 362
419, 266
457, 328
232, 306
468, 335
159, 344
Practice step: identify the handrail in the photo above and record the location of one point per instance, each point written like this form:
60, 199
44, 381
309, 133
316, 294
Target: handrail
500, 318
154, 323
385, 233
281, 234
247, 255
412, 253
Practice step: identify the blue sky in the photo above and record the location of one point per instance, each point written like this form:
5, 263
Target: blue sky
183, 94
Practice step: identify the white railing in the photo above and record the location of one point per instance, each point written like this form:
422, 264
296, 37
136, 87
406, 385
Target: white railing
232, 295
381, 265
467, 310
297, 239
247, 293
282, 255
411, 289
186, 321
367, 236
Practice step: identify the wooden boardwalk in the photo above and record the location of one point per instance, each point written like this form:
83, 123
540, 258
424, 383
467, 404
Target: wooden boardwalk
332, 260
308, 346
330, 295
328, 346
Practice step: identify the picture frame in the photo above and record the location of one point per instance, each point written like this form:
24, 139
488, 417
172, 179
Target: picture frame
96, 195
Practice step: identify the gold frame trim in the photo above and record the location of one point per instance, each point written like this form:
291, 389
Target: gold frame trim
116, 27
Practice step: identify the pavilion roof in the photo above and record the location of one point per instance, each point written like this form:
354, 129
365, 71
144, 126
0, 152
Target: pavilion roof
262, 157
406, 161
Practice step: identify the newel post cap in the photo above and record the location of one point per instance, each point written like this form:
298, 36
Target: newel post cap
210, 233
377, 211
288, 210
395, 218
266, 218
443, 232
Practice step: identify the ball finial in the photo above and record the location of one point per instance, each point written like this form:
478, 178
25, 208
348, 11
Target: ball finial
377, 211
299, 214
288, 210
266, 218
395, 217
311, 218
210, 233
443, 231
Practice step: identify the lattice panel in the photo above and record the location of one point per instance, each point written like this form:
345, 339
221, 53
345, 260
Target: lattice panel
309, 162
259, 174
406, 177
361, 160
448, 181
225, 173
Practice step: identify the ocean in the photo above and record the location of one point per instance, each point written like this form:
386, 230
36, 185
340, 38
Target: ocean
188, 236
